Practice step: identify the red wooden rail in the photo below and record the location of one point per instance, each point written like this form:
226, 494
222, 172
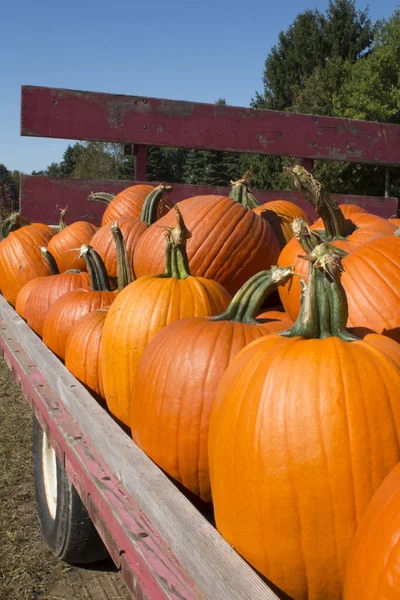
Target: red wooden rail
41, 197
77, 115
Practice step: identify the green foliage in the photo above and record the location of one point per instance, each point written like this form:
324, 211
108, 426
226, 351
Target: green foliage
8, 192
166, 164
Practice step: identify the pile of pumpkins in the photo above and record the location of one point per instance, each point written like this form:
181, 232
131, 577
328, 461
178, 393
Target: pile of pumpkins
287, 420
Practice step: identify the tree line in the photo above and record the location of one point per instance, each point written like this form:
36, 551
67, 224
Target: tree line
337, 63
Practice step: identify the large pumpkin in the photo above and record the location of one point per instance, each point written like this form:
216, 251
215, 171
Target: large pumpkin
66, 244
303, 431
132, 229
21, 259
27, 290
70, 307
230, 243
178, 374
344, 232
373, 566
143, 308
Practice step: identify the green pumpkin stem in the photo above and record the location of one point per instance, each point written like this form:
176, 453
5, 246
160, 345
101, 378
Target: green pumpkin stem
176, 259
50, 260
246, 303
309, 239
152, 202
336, 226
98, 275
102, 197
124, 274
324, 309
241, 192
62, 224
12, 223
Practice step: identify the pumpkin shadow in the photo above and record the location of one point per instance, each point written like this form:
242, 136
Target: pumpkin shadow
275, 221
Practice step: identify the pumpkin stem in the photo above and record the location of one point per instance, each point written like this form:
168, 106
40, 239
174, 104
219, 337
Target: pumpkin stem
12, 223
336, 226
397, 232
102, 197
98, 275
151, 204
241, 192
62, 224
309, 239
50, 260
246, 303
176, 260
124, 274
324, 309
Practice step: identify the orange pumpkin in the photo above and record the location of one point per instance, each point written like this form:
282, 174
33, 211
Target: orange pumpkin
350, 209
25, 293
344, 233
70, 307
132, 229
144, 307
178, 374
395, 221
66, 244
373, 565
21, 258
295, 442
230, 243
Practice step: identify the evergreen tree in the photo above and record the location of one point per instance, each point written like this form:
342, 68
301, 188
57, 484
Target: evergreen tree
8, 192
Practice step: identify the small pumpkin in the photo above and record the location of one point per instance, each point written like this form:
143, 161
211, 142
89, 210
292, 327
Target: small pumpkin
177, 378
373, 567
25, 293
71, 306
132, 229
147, 305
21, 258
65, 245
295, 416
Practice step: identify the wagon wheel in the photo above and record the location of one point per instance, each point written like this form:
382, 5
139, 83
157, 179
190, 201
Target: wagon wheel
65, 523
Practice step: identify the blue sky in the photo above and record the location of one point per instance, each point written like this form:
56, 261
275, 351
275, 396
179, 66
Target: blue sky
179, 50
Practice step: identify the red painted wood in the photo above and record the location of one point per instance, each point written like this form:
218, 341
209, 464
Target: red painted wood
151, 570
307, 163
141, 162
40, 197
77, 115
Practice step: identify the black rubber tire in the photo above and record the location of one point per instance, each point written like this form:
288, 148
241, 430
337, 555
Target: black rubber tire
71, 534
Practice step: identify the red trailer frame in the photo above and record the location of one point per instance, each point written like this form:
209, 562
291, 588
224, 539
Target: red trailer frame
163, 545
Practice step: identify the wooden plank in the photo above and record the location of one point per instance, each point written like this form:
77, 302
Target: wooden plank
78, 115
140, 162
216, 570
40, 197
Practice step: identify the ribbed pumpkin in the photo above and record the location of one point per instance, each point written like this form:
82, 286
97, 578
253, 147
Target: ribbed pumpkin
304, 428
177, 378
68, 309
373, 566
333, 227
128, 203
132, 229
83, 353
230, 243
66, 244
25, 293
21, 258
147, 305
278, 213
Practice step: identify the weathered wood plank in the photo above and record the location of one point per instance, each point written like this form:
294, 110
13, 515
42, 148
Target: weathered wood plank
40, 197
216, 570
78, 115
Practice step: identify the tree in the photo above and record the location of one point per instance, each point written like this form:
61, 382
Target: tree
8, 192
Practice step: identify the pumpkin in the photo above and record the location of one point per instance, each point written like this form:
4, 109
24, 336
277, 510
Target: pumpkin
373, 566
230, 243
178, 374
395, 221
349, 209
147, 305
304, 428
273, 316
21, 258
278, 213
25, 292
71, 306
131, 227
333, 227
128, 203
83, 353
66, 244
